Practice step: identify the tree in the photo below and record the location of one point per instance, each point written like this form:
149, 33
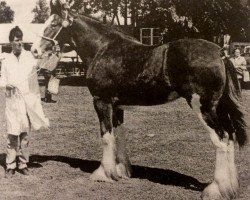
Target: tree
6, 13
209, 18
41, 12
109, 7
213, 17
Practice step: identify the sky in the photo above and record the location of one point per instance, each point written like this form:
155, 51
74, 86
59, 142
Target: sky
22, 9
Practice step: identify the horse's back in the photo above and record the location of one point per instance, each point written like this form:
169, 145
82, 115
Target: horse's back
131, 71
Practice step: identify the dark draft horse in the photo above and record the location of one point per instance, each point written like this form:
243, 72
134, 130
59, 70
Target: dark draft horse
121, 71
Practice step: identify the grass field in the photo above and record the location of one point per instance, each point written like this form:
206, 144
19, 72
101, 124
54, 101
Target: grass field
171, 154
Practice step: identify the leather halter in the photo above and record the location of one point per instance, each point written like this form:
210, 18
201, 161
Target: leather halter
54, 38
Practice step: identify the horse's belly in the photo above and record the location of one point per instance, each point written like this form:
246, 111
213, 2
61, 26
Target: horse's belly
147, 98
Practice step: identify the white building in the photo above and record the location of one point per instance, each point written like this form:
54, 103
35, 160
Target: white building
30, 33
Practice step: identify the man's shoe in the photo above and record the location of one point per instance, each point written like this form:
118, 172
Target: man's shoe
9, 173
24, 171
50, 101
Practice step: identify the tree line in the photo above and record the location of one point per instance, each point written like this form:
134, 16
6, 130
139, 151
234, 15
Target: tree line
190, 18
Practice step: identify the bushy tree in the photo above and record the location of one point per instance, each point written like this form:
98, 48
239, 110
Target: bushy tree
6, 13
208, 17
213, 17
41, 11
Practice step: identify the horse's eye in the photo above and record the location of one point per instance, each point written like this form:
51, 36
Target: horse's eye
53, 24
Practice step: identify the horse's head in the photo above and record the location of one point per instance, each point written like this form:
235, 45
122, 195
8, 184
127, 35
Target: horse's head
53, 37
84, 34
54, 33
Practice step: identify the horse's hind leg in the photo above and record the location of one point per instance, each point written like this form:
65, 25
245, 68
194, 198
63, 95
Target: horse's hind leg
107, 171
225, 185
123, 165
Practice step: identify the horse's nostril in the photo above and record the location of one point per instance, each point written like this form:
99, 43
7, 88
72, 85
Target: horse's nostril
34, 52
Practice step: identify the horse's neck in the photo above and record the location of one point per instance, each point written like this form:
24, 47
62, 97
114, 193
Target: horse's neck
87, 41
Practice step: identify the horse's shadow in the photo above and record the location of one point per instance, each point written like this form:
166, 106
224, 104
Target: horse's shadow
162, 176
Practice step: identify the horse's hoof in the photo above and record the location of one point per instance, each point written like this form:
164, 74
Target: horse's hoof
100, 176
122, 171
212, 192
215, 192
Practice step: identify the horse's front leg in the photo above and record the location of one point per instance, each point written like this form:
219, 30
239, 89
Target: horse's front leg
123, 164
107, 171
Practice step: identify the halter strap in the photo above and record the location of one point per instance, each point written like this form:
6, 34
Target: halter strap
54, 38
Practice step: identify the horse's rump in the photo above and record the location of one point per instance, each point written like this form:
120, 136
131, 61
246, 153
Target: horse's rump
195, 66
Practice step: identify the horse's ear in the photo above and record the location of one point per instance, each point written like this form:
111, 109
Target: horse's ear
73, 13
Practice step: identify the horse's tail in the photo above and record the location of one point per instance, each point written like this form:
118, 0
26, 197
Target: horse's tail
231, 107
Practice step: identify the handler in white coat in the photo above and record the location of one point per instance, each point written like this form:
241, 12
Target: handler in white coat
23, 102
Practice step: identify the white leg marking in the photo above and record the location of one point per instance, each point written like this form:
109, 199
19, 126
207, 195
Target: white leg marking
123, 165
109, 150
107, 170
232, 169
195, 102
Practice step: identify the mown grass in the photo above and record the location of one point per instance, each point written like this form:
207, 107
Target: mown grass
171, 153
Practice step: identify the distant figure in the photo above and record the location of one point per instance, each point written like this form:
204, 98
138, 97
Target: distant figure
239, 64
47, 76
23, 102
165, 36
56, 8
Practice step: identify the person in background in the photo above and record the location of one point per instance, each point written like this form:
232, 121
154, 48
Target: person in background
23, 102
47, 76
56, 7
165, 36
239, 64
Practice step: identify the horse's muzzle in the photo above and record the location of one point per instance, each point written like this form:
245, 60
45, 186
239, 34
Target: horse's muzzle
35, 52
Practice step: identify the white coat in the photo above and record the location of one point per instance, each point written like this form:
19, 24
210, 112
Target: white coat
24, 104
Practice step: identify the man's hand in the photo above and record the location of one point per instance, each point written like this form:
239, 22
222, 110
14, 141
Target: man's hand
10, 90
9, 87
243, 67
239, 70
56, 49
